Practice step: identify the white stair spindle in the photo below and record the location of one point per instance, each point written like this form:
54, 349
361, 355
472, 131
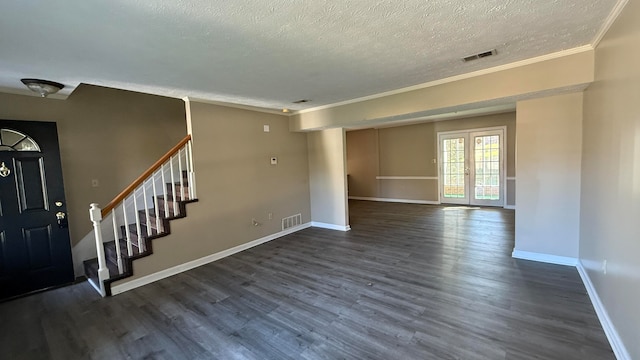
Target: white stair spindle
188, 170
173, 189
138, 227
180, 175
192, 174
103, 272
117, 240
164, 192
127, 231
155, 202
146, 208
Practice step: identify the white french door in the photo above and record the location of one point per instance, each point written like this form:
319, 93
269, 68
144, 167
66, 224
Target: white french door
471, 170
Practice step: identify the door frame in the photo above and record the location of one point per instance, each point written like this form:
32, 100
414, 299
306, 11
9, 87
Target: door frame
503, 163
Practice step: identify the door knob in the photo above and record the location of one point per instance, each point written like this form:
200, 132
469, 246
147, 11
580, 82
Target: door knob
62, 220
4, 170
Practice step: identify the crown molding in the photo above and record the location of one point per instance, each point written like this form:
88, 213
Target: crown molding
188, 99
494, 69
615, 12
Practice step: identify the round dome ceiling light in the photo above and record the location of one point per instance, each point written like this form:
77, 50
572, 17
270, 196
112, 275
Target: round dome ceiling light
42, 87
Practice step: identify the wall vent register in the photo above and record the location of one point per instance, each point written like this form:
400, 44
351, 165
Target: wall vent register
291, 221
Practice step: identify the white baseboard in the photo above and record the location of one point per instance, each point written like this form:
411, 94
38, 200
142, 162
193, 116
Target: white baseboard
427, 202
330, 226
610, 331
612, 334
118, 289
510, 207
545, 258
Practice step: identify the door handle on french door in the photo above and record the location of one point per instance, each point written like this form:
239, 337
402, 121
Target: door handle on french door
466, 170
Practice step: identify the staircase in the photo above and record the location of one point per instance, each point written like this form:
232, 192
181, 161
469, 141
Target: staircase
141, 213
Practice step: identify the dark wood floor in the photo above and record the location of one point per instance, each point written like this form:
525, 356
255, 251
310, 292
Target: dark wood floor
407, 282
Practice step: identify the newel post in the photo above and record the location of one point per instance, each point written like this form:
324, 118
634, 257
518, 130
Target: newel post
103, 272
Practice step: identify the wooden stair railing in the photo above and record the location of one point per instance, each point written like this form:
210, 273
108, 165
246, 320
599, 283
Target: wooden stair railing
124, 228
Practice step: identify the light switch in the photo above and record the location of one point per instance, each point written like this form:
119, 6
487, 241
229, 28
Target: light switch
266, 128
274, 160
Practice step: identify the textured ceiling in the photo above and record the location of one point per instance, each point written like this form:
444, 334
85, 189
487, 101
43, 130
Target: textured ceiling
269, 53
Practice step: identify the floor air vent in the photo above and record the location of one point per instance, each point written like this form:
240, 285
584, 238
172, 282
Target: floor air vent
291, 221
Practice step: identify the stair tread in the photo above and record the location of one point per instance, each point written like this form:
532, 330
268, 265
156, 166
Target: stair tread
161, 199
170, 197
91, 269
110, 247
133, 230
152, 214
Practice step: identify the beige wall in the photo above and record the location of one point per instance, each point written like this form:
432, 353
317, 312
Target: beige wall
610, 209
511, 192
409, 151
235, 183
105, 134
328, 178
549, 149
362, 161
560, 73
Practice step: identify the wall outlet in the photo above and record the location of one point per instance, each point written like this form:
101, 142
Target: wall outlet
95, 183
270, 216
266, 128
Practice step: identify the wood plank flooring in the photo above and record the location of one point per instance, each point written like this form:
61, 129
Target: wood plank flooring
407, 282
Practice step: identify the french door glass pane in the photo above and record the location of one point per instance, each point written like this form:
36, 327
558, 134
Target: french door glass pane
487, 167
453, 165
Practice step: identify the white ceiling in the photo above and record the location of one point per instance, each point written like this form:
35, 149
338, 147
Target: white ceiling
269, 53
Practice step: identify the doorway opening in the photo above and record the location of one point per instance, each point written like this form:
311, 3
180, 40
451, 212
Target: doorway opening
472, 167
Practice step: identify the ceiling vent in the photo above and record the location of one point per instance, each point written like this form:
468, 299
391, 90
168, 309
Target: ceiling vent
302, 101
480, 55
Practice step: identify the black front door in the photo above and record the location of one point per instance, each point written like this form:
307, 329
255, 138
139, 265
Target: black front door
35, 251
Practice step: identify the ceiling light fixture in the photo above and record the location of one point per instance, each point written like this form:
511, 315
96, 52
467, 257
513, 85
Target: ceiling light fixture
42, 87
285, 110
